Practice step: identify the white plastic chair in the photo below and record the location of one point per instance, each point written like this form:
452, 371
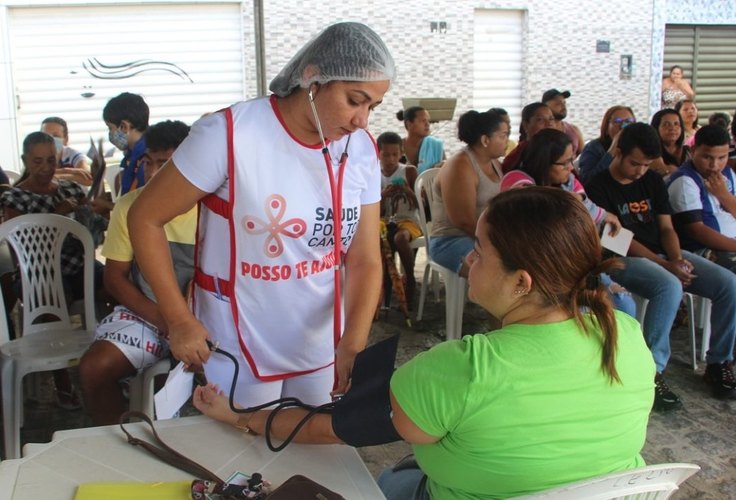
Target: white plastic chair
142, 388
111, 173
455, 286
700, 320
13, 176
653, 482
36, 240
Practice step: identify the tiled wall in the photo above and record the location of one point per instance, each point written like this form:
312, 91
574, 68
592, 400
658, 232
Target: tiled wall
701, 12
560, 50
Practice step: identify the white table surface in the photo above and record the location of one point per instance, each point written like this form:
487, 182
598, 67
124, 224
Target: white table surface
54, 470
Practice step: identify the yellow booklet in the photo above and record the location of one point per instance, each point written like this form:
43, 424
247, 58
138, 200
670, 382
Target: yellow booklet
177, 490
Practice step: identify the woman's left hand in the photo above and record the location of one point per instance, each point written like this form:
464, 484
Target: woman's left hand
211, 401
614, 222
344, 359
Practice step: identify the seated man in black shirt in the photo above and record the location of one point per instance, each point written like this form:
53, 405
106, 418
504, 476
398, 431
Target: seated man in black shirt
657, 269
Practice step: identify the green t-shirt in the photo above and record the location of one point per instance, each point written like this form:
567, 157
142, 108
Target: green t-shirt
527, 408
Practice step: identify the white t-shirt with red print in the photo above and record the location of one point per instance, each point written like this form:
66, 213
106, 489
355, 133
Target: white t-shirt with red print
283, 235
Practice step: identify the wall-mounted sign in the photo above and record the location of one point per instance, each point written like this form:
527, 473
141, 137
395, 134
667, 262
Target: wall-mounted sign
602, 46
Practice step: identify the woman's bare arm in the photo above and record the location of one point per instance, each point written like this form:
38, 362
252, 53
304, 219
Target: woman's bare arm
167, 195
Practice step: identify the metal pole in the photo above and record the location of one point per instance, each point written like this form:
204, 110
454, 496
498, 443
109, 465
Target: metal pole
260, 46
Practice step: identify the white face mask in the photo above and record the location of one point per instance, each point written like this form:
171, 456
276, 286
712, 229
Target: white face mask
59, 144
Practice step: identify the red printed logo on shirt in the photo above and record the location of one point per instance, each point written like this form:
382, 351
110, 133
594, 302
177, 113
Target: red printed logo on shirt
275, 208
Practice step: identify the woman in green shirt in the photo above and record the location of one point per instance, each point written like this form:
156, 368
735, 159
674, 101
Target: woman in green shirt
561, 393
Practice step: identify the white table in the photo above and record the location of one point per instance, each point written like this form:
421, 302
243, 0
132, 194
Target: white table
53, 470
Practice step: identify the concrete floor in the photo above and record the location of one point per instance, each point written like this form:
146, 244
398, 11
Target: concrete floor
702, 432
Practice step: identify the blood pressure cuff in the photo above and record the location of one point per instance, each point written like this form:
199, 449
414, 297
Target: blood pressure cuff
363, 416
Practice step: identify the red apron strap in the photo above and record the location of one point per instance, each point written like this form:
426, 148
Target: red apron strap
217, 205
211, 284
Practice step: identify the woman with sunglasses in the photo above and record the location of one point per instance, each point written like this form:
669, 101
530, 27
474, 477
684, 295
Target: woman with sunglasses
598, 153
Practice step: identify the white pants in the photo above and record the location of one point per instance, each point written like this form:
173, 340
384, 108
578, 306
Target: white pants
313, 388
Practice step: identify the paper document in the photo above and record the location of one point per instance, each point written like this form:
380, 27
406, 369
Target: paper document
174, 393
618, 244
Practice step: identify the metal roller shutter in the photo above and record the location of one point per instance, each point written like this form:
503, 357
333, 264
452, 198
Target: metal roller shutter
498, 61
185, 59
708, 57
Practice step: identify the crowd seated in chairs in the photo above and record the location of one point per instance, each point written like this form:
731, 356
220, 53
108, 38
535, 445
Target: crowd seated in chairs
657, 268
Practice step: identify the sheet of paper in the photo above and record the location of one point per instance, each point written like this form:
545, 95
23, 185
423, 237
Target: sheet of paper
618, 244
174, 393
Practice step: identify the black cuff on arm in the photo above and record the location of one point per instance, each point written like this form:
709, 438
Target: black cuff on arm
684, 218
363, 416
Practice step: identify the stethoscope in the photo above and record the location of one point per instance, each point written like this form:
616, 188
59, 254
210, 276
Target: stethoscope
290, 402
336, 195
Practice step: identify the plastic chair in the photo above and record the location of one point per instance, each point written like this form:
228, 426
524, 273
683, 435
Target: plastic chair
650, 483
13, 176
455, 286
36, 240
111, 173
703, 316
142, 389
701, 321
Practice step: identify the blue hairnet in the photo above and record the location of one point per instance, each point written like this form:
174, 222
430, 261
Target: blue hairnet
342, 51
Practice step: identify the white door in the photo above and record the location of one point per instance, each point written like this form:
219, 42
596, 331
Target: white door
185, 59
498, 62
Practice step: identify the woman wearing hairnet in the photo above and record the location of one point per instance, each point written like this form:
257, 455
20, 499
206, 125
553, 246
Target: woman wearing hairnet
276, 178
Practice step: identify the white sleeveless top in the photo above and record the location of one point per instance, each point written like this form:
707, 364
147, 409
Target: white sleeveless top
277, 246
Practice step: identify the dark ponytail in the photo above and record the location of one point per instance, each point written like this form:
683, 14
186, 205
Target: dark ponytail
409, 114
592, 294
472, 125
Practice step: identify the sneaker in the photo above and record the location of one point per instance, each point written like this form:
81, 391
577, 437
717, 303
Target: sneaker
664, 398
720, 377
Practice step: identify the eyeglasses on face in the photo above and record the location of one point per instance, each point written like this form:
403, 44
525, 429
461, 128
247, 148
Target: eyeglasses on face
623, 121
565, 163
